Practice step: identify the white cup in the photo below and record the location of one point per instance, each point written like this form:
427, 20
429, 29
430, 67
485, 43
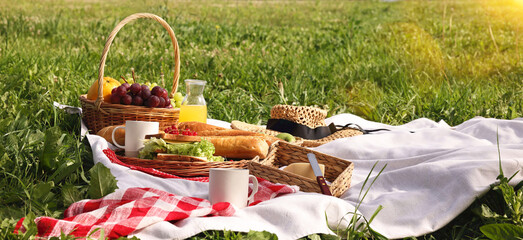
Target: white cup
231, 185
135, 132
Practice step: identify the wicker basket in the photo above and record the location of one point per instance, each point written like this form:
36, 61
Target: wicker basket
337, 171
309, 116
98, 114
184, 166
348, 132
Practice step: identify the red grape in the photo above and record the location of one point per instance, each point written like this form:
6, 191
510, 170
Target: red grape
137, 100
113, 90
167, 102
153, 101
121, 91
161, 104
145, 94
135, 88
126, 85
163, 93
145, 87
115, 99
157, 91
127, 99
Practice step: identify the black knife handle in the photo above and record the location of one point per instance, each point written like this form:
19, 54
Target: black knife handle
323, 186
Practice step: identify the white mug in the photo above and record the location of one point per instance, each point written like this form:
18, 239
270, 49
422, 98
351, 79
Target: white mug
135, 132
231, 185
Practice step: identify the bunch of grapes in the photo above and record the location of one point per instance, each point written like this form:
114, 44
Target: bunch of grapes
177, 99
174, 130
140, 95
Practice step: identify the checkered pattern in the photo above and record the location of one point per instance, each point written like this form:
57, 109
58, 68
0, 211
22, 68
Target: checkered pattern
126, 211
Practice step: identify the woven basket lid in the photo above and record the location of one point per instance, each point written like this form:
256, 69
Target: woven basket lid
309, 116
348, 132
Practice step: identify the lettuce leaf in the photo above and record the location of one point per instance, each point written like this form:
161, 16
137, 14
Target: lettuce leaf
195, 149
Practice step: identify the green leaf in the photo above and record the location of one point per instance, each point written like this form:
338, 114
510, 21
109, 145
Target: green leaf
486, 212
314, 237
254, 235
5, 161
52, 141
102, 181
64, 170
35, 137
328, 237
502, 231
71, 194
42, 190
29, 225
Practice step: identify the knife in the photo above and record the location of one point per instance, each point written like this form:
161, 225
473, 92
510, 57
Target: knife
319, 176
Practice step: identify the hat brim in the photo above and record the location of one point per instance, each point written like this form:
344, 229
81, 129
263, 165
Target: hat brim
348, 132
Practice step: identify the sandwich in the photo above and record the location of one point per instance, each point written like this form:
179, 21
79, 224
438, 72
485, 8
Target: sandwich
178, 147
206, 143
232, 143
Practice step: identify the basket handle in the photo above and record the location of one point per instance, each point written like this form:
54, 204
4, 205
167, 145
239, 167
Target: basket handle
110, 39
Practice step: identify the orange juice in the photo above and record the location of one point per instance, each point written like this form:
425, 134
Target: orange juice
190, 113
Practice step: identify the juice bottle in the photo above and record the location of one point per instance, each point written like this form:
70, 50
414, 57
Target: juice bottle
190, 113
194, 107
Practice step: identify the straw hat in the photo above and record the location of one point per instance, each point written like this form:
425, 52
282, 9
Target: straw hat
297, 120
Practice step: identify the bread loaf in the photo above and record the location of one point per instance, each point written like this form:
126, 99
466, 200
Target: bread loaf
107, 132
198, 126
229, 143
173, 138
303, 169
227, 132
234, 132
242, 147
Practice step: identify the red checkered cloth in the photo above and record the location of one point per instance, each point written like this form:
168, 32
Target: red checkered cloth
126, 211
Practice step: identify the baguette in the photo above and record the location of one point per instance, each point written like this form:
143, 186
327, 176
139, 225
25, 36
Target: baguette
174, 138
107, 132
227, 132
235, 132
242, 147
198, 126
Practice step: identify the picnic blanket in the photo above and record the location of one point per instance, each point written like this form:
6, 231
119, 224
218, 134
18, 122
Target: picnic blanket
433, 172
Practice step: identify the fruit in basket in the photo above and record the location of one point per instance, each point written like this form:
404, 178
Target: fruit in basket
286, 137
126, 85
140, 95
137, 100
135, 88
146, 93
127, 80
126, 99
157, 91
108, 85
177, 99
152, 101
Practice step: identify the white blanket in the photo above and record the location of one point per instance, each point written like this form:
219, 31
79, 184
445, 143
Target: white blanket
433, 173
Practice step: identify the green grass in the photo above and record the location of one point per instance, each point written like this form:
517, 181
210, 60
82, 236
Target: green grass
388, 62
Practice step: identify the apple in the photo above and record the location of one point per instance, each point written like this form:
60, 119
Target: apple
286, 137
